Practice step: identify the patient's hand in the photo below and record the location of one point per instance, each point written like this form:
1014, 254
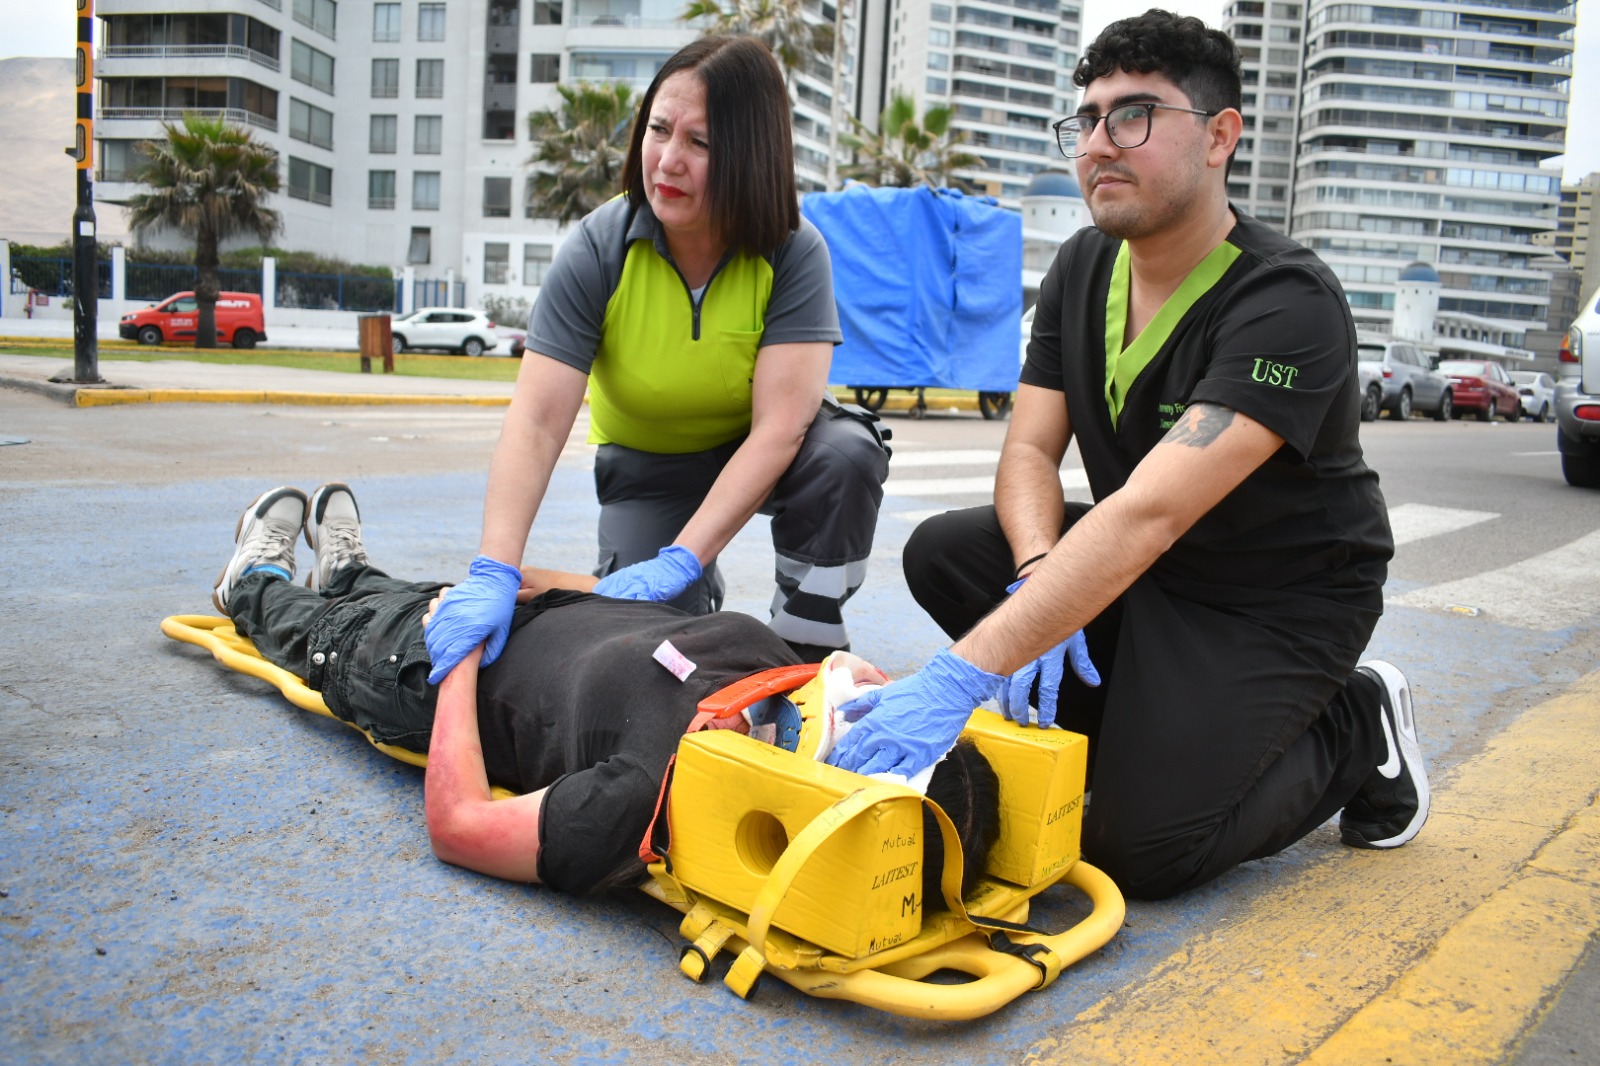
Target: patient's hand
537, 581
861, 671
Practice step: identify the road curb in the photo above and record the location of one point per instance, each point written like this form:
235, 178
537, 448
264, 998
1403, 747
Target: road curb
93, 397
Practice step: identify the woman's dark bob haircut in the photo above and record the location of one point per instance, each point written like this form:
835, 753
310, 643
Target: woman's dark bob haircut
751, 192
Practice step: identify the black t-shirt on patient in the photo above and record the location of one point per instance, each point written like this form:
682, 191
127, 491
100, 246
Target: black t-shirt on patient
577, 704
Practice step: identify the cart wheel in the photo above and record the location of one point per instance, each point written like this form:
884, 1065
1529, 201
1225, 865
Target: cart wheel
994, 405
917, 410
871, 398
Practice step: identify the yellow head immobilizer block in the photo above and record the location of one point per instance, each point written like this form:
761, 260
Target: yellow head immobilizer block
736, 804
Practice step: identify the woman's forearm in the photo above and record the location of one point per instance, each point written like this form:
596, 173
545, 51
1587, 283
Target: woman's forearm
534, 432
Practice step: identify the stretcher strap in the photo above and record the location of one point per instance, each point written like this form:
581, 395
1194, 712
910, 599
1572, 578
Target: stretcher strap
726, 702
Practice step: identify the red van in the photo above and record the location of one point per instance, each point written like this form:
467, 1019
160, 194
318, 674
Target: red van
175, 319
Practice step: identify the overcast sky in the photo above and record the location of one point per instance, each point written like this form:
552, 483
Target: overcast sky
50, 30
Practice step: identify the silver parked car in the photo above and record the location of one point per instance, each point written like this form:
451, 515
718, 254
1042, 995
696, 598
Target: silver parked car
1578, 403
456, 329
1538, 392
1405, 379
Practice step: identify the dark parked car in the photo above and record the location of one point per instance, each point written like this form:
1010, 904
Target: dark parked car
1482, 385
1406, 380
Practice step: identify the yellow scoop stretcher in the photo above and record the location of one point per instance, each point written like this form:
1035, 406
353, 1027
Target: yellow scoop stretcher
801, 870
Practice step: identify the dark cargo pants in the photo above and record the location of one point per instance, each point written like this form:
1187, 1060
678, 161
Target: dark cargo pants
358, 642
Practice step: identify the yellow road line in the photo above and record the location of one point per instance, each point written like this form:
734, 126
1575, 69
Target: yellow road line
1442, 951
113, 397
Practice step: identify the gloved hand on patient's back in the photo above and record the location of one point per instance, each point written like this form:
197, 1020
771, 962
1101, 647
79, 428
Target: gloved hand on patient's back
477, 611
1048, 669
910, 724
663, 578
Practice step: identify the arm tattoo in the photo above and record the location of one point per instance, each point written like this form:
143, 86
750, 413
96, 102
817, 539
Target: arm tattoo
1200, 426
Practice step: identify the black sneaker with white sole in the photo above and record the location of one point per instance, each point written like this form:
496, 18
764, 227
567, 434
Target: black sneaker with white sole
1393, 802
265, 536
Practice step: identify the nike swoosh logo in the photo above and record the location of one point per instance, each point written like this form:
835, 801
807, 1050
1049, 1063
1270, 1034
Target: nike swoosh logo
1390, 767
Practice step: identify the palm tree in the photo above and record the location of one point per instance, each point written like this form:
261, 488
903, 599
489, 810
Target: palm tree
781, 25
904, 152
208, 180
580, 148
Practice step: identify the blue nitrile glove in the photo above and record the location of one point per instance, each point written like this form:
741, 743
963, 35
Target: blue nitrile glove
660, 579
908, 725
1049, 669
477, 611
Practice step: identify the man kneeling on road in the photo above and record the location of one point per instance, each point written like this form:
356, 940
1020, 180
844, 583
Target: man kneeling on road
1231, 570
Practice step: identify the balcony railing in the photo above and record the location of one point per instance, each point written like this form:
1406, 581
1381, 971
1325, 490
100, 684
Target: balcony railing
188, 51
627, 21
236, 115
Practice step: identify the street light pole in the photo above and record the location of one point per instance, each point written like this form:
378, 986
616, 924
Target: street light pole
85, 283
838, 87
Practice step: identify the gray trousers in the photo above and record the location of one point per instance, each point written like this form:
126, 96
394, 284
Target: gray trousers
824, 513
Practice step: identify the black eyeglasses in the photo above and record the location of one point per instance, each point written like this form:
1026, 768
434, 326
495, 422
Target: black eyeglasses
1128, 126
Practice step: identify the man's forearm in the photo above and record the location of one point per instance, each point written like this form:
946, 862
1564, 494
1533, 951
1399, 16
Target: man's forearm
1028, 502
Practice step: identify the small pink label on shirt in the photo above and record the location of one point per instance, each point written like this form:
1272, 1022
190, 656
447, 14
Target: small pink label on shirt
674, 660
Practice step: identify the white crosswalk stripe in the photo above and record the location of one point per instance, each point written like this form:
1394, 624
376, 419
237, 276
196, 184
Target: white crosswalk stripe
1549, 591
1418, 521
963, 486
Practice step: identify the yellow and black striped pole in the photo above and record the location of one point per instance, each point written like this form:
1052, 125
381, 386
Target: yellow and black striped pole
85, 283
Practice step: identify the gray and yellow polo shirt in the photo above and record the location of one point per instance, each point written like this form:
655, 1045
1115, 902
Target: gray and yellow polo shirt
669, 370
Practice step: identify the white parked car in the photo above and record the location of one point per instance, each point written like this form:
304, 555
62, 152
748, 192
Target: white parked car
1538, 392
456, 329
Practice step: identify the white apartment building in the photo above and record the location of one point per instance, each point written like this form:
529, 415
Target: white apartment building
402, 124
1422, 129
1269, 35
1005, 66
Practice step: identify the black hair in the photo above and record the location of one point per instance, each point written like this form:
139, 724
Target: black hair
967, 789
751, 195
1202, 62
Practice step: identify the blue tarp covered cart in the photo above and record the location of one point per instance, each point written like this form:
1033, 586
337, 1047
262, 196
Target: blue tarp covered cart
929, 287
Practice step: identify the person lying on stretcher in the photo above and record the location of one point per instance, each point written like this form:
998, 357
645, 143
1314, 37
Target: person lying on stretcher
578, 715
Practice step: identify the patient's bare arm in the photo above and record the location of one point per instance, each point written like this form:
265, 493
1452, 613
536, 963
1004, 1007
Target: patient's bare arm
537, 581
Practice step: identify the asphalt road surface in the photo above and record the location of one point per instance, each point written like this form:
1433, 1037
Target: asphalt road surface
192, 871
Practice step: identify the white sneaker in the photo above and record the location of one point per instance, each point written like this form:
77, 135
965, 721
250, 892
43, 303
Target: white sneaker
264, 537
333, 529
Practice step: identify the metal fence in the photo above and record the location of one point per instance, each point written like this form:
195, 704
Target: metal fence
426, 292
153, 282
53, 277
338, 292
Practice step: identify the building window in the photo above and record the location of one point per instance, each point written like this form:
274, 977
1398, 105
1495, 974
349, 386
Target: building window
311, 67
310, 123
938, 86
420, 249
308, 181
939, 12
430, 22
425, 190
383, 133
496, 197
385, 79
939, 38
320, 15
385, 22
119, 159
938, 61
496, 263
430, 78
543, 69
429, 135
547, 12
536, 259
380, 190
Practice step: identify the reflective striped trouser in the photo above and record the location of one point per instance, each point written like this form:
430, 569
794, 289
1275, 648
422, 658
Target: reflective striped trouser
824, 512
